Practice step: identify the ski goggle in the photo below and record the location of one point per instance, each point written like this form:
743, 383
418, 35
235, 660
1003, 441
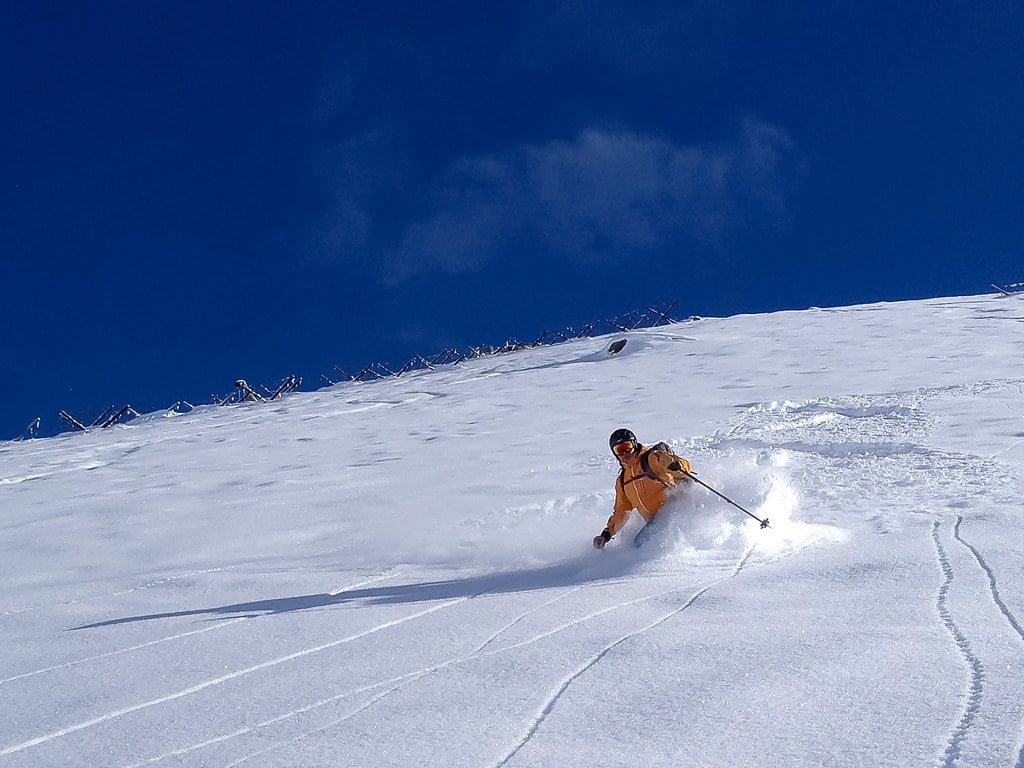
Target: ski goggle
621, 449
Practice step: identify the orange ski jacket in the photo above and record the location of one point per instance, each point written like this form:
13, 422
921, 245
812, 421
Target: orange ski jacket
644, 481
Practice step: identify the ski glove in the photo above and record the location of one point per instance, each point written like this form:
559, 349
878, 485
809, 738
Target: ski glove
601, 539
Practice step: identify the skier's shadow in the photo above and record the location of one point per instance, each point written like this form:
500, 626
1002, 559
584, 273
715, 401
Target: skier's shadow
565, 574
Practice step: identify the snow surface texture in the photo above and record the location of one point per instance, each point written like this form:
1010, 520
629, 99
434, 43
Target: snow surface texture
400, 573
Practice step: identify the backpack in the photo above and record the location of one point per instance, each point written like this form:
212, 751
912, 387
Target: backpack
645, 464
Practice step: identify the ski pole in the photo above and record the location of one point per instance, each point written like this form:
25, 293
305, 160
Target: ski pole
764, 523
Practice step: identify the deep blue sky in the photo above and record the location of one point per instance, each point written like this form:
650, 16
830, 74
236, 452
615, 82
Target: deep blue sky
197, 192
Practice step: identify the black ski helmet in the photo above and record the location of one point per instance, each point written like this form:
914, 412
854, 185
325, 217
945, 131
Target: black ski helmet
622, 436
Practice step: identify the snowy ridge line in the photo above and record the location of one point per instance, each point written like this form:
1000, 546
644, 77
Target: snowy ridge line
638, 319
549, 705
635, 320
398, 682
997, 598
219, 680
976, 680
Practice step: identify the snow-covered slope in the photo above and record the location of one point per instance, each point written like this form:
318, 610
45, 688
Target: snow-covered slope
400, 573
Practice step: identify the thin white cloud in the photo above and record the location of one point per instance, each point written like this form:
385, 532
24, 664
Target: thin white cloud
601, 196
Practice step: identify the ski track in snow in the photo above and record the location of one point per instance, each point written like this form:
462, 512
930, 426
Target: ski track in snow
873, 416
129, 649
396, 683
392, 685
180, 635
549, 704
976, 672
222, 679
886, 426
997, 598
523, 615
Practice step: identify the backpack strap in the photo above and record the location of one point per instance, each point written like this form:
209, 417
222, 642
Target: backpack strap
645, 466
645, 462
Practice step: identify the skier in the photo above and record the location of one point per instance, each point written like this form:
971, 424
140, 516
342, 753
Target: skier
643, 482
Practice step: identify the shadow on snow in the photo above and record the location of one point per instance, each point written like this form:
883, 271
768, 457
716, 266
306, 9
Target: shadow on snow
565, 574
